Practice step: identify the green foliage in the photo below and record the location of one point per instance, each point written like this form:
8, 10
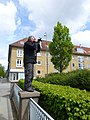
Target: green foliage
61, 47
2, 71
21, 83
77, 79
64, 102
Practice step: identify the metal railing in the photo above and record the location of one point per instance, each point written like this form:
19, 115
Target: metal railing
37, 113
16, 96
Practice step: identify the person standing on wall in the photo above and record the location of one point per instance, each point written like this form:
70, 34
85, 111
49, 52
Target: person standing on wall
31, 47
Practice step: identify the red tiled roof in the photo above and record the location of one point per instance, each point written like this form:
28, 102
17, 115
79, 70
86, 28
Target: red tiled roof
85, 50
20, 43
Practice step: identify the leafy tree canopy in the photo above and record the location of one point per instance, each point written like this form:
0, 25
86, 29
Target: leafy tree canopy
2, 71
61, 47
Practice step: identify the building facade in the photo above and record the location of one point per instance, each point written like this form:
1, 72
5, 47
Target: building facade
44, 66
80, 59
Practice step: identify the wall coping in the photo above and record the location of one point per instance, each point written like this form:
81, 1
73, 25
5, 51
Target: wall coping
25, 94
13, 81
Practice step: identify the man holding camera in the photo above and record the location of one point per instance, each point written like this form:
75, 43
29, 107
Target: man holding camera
31, 47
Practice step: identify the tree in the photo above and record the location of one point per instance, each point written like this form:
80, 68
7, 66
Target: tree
2, 71
61, 47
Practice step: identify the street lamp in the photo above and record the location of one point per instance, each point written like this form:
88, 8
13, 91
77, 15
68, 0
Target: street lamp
45, 35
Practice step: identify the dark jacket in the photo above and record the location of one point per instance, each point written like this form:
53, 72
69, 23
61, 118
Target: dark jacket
30, 52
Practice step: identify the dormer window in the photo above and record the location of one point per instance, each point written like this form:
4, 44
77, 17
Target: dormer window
21, 42
80, 50
75, 49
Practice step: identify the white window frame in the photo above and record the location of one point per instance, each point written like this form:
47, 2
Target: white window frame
13, 76
19, 53
80, 58
80, 50
81, 66
19, 64
21, 75
88, 58
38, 63
39, 53
40, 72
88, 66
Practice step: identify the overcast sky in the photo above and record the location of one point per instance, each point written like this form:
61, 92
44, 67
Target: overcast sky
21, 18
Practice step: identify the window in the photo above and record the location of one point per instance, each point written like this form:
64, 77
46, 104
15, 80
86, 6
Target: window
81, 66
18, 63
47, 54
38, 62
39, 72
39, 54
21, 75
19, 52
89, 66
73, 64
88, 58
21, 42
72, 56
13, 76
80, 50
80, 58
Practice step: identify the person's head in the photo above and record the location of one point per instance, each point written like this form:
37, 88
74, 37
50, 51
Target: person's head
31, 39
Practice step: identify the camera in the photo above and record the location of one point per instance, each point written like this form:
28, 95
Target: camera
40, 40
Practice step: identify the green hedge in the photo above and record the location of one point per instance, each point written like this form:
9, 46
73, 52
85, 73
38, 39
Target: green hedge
77, 79
63, 102
21, 84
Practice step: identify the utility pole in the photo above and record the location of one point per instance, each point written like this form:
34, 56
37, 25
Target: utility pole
45, 35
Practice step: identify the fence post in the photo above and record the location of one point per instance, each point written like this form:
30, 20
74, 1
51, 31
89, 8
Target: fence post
24, 110
12, 88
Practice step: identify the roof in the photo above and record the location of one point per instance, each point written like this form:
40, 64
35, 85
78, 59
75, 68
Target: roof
81, 50
76, 50
21, 42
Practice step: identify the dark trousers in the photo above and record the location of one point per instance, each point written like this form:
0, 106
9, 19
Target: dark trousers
28, 75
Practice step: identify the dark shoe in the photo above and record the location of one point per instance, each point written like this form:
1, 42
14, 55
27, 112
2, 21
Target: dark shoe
30, 89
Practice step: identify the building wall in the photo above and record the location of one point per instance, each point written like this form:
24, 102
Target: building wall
74, 63
16, 72
40, 69
43, 66
87, 62
14, 58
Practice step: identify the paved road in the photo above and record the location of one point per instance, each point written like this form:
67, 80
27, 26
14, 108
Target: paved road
5, 104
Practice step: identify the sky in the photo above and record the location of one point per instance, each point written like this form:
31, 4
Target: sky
22, 18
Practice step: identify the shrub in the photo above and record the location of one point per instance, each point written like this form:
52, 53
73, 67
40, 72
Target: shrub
21, 83
64, 102
77, 79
